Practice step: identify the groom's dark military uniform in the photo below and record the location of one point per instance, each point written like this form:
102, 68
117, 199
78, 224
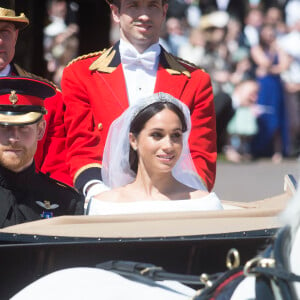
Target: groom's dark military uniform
26, 195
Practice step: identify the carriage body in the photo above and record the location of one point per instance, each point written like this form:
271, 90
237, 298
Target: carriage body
183, 242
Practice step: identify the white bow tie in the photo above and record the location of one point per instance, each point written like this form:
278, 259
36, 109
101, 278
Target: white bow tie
147, 59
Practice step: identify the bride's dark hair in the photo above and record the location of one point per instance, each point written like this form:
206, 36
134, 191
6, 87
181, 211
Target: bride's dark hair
143, 117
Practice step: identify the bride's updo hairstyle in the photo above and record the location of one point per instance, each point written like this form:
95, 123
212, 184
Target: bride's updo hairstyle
138, 123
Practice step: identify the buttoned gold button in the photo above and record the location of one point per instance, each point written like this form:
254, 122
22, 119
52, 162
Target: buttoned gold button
100, 126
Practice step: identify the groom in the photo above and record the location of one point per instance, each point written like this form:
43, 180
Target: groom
26, 195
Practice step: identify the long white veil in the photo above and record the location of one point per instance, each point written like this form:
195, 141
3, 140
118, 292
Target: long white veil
116, 169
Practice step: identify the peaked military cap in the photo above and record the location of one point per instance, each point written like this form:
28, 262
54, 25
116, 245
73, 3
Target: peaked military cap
22, 100
8, 14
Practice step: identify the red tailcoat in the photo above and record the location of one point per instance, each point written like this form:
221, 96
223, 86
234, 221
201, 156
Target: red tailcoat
50, 157
94, 93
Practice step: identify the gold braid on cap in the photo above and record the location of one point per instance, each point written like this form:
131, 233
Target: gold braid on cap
10, 16
4, 12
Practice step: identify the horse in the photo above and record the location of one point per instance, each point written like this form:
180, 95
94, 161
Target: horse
290, 243
272, 274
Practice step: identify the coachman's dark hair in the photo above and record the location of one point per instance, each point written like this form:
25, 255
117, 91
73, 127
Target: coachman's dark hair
143, 117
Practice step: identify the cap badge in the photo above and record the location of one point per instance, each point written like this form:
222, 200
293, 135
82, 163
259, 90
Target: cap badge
13, 98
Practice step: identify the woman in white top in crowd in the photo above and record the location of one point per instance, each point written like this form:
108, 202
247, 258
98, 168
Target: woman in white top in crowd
147, 157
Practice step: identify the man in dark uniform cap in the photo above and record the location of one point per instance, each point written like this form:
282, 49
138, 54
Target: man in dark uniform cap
50, 155
24, 194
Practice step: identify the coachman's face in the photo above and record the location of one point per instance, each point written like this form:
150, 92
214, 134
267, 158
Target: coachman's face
8, 40
18, 145
140, 21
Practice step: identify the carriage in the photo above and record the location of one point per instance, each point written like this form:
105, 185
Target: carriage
186, 242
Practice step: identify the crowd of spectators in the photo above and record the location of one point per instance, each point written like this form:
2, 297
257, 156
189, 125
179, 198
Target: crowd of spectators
60, 37
240, 42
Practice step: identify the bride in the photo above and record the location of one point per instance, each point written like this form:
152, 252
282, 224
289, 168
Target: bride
147, 159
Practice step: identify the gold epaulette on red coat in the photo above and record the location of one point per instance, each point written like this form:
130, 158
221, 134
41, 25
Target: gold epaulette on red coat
24, 73
186, 62
102, 64
85, 56
176, 65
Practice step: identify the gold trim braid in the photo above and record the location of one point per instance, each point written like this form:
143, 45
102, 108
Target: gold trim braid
82, 57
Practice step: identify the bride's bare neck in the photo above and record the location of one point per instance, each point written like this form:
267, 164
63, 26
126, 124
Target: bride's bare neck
159, 187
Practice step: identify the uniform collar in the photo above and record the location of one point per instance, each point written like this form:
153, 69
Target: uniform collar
110, 59
17, 181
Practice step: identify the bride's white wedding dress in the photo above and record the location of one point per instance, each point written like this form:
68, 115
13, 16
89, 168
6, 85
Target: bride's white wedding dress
208, 202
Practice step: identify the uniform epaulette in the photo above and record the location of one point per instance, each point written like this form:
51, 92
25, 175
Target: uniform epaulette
174, 66
186, 62
22, 72
85, 56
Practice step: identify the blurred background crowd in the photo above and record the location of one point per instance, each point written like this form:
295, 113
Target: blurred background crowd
251, 49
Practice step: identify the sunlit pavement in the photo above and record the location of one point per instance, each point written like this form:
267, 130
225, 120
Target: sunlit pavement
253, 180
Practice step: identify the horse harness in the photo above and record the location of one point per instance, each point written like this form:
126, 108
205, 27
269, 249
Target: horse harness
273, 280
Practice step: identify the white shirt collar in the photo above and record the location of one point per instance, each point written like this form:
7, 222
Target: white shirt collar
125, 45
5, 71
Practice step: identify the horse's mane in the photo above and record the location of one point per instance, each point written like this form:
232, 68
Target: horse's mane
291, 214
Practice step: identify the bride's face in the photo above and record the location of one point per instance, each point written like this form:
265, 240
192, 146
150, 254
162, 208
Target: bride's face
159, 143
